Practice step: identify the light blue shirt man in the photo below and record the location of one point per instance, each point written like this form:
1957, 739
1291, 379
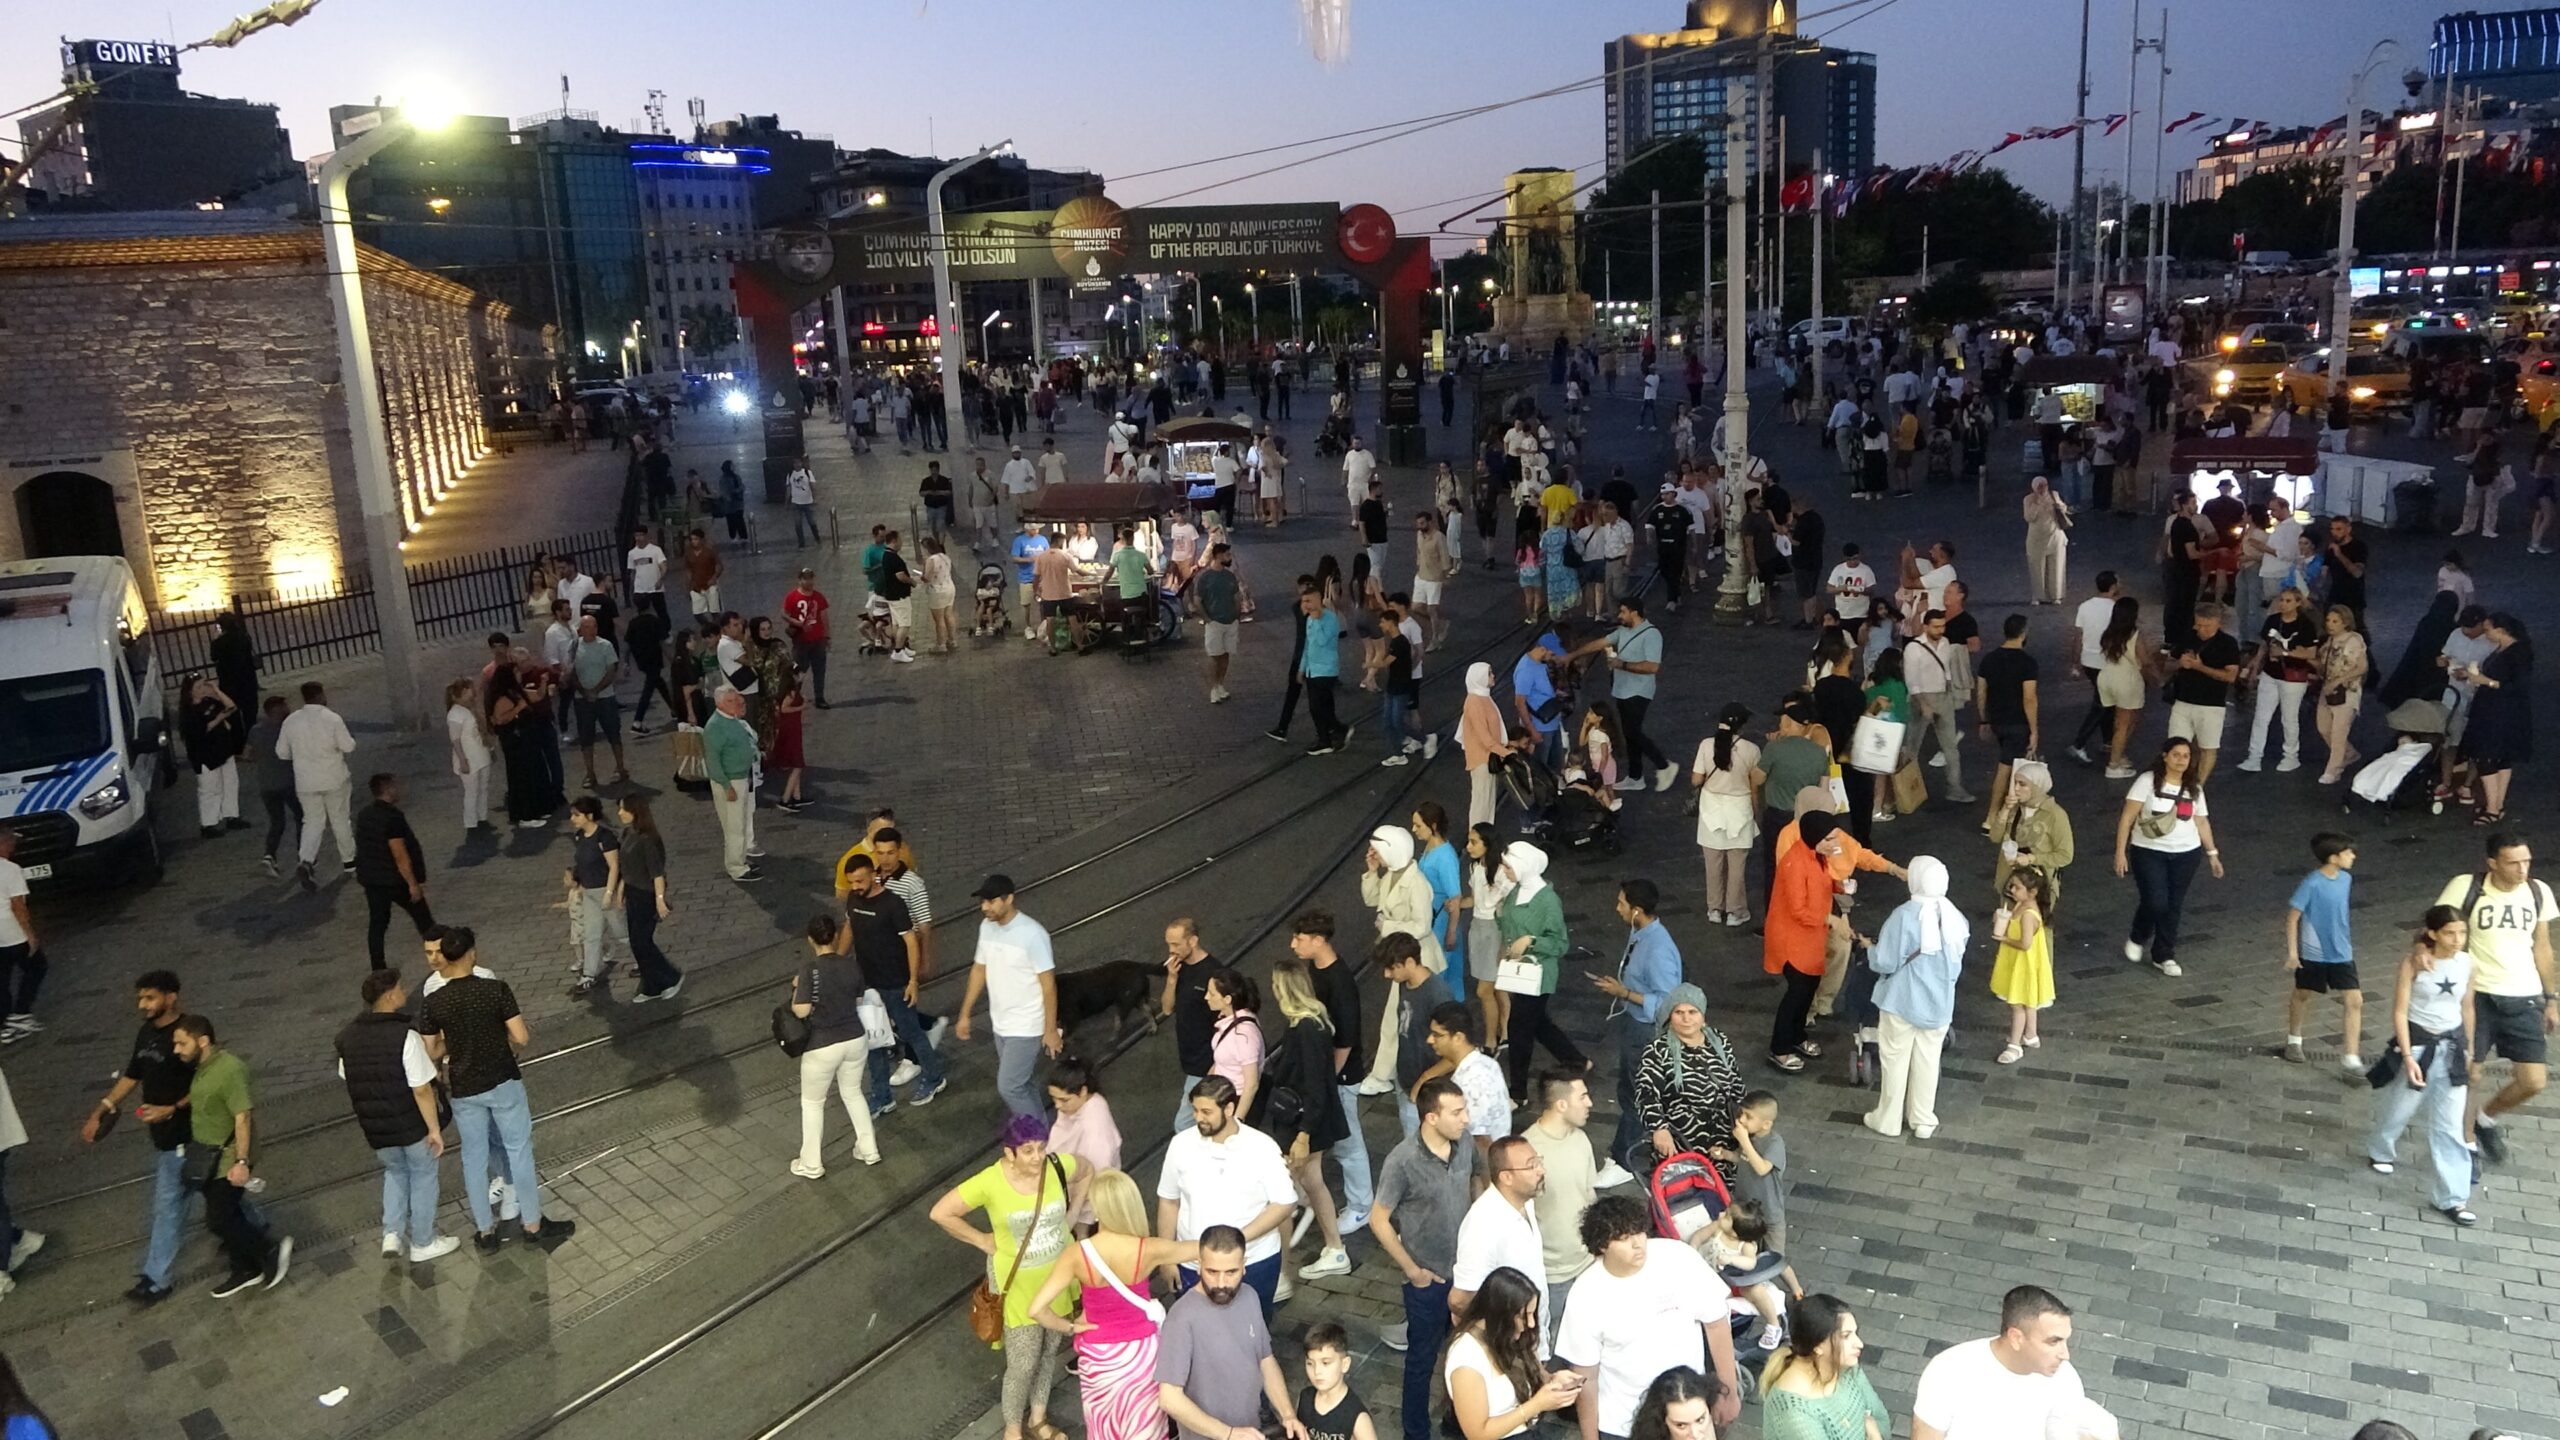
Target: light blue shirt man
1324, 646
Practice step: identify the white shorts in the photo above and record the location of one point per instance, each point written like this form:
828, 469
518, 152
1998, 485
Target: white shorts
2199, 723
1426, 592
1218, 638
705, 602
902, 613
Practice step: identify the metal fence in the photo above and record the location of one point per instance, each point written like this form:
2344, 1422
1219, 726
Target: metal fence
452, 598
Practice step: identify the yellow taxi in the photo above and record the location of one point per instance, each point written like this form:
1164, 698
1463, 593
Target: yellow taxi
2248, 371
2376, 382
2538, 384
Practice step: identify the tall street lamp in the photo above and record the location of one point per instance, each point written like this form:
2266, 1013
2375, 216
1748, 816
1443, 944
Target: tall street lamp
1255, 301
368, 135
946, 307
2342, 293
1732, 597
985, 355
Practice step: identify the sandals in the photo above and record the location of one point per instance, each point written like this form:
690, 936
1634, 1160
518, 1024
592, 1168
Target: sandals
2488, 817
1809, 1049
1789, 1063
2459, 1216
2010, 1055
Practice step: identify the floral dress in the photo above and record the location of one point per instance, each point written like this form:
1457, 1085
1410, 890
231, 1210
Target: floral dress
1562, 583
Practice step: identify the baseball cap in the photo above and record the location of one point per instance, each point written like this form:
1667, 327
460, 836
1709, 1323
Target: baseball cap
994, 887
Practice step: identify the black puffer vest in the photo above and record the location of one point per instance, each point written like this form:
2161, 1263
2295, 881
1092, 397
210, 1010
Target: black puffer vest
377, 1086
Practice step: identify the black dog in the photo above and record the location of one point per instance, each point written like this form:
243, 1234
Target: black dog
1124, 988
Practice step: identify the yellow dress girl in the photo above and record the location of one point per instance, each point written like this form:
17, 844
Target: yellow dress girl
2022, 974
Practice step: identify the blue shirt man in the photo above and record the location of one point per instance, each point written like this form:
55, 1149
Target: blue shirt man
1535, 686
1324, 646
2320, 948
1440, 870
1639, 994
1640, 643
2323, 935
1026, 549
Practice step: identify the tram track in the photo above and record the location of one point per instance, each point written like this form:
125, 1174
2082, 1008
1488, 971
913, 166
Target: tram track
335, 1123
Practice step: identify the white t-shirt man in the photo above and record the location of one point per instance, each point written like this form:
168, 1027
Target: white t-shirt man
1017, 476
648, 566
1494, 1235
1016, 954
1053, 468
1226, 1182
575, 590
1632, 1328
2091, 621
1852, 580
1479, 1079
732, 657
1967, 1394
800, 487
1357, 467
1934, 579
1652, 386
2503, 924
2284, 548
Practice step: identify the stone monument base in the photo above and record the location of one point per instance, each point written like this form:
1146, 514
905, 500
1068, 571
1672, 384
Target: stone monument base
1532, 322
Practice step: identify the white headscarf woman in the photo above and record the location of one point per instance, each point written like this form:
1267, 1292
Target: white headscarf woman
1917, 957
1393, 886
1941, 927
1485, 738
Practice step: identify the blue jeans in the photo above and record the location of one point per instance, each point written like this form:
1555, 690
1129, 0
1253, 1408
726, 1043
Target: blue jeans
805, 517
409, 1192
168, 1215
1426, 1320
1017, 1065
2395, 1104
1352, 1153
1633, 1036
911, 1034
1262, 1275
501, 1110
1182, 1104
1395, 716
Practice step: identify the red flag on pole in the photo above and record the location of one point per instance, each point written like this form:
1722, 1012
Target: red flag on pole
2182, 122
2116, 123
1796, 196
2321, 136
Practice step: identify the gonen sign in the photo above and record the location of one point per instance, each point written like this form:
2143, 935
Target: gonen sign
143, 54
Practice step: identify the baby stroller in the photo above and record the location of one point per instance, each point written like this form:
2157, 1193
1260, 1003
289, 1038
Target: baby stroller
1686, 1196
1529, 786
1576, 819
1335, 437
1857, 1001
2402, 776
990, 620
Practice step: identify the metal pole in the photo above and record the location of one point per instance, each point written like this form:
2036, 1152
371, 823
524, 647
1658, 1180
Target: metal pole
1731, 600
1764, 79
376, 491
1778, 264
1821, 202
1653, 317
949, 339
844, 342
2079, 156
2461, 168
1039, 351
2158, 259
1924, 255
2132, 108
1734, 296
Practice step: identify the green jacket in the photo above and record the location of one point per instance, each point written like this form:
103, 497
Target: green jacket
1542, 917
728, 750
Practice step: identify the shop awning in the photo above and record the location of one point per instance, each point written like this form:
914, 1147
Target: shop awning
2047, 371
1197, 429
2291, 455
1099, 503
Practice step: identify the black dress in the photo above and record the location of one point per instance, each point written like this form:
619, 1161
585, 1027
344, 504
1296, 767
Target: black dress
2500, 733
1301, 1064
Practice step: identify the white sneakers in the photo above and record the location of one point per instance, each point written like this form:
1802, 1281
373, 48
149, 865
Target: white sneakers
807, 1171
392, 1245
1217, 694
502, 1198
440, 1246
1375, 1086
904, 1073
1336, 1261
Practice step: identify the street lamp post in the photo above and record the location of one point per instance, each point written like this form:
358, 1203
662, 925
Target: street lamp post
1732, 599
946, 306
377, 497
1254, 299
987, 356
2341, 293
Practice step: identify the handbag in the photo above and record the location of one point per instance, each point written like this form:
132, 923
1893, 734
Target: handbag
1153, 1309
1519, 976
877, 1033
1910, 789
986, 1303
791, 1032
1876, 745
196, 1166
2156, 824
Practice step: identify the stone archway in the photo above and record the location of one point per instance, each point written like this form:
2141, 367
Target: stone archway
69, 512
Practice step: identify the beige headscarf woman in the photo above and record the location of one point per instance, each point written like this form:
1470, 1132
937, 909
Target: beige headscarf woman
1392, 885
2031, 829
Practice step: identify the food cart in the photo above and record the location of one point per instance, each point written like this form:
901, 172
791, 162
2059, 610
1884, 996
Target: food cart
2080, 381
1190, 442
1105, 506
2262, 465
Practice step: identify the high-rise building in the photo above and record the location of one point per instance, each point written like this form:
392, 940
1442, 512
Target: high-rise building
138, 142
801, 165
1671, 83
2511, 55
697, 209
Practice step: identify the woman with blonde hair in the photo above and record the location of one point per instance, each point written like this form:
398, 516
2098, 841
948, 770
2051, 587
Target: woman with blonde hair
1115, 1338
2344, 663
1299, 1105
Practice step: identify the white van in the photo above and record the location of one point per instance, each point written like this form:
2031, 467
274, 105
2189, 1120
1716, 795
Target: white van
84, 732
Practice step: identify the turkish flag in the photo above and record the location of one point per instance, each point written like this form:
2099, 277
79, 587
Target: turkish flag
1796, 196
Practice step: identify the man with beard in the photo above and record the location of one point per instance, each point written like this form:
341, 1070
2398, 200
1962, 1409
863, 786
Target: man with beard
1220, 1175
1214, 1367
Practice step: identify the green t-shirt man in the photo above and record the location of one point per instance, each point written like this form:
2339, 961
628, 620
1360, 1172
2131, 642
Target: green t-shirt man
1792, 762
1129, 569
215, 1100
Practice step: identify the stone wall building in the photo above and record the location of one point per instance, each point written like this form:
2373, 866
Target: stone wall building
174, 398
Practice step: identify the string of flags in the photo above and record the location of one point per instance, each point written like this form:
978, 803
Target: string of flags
1840, 192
